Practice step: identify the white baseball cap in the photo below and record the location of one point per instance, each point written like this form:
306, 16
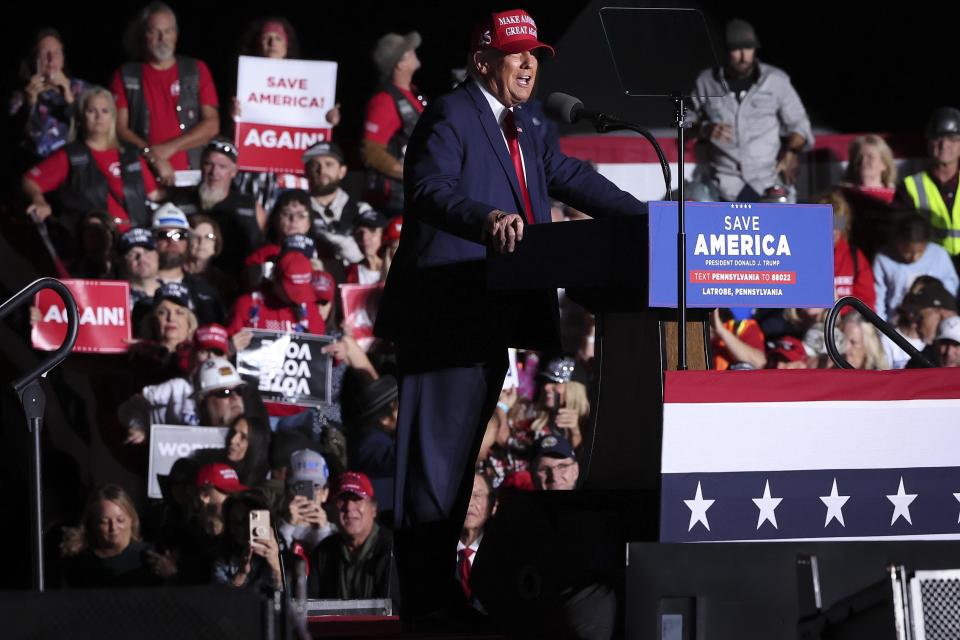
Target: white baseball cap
949, 329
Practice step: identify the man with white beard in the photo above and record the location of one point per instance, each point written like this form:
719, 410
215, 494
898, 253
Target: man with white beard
240, 217
166, 104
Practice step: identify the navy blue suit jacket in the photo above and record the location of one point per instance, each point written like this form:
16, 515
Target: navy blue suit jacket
456, 171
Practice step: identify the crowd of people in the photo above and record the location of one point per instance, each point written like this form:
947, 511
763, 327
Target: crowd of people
209, 262
895, 240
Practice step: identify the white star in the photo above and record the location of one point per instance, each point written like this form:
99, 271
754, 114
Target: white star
767, 506
901, 504
957, 496
834, 504
698, 509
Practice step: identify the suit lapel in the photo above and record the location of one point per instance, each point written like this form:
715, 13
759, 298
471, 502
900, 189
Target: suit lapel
495, 137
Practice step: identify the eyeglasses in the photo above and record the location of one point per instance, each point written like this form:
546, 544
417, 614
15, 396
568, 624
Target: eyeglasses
226, 393
173, 235
212, 237
559, 468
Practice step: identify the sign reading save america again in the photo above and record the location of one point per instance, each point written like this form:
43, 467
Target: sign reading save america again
744, 255
283, 111
810, 455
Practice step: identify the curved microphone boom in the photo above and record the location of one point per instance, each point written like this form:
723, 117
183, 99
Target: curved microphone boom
568, 109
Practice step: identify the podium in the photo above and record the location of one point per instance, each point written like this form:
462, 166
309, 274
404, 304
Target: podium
603, 264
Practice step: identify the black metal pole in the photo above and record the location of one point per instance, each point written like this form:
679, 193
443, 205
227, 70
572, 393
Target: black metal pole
681, 242
33, 400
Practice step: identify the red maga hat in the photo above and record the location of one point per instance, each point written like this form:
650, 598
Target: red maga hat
789, 349
296, 277
510, 32
212, 336
221, 477
355, 483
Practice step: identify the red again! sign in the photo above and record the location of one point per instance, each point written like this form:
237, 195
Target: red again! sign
104, 310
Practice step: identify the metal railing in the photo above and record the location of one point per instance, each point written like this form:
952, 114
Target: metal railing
882, 325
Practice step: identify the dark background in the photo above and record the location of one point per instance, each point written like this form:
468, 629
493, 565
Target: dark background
857, 66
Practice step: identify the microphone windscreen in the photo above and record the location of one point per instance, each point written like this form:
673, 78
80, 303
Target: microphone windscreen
562, 107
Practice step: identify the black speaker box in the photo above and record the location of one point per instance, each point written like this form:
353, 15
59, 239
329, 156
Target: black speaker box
210, 613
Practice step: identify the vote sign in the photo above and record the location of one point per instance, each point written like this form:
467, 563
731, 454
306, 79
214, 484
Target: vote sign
288, 367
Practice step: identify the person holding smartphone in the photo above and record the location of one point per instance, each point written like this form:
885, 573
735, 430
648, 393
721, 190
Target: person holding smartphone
248, 555
44, 108
305, 520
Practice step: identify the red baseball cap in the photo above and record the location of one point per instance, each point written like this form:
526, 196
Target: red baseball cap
295, 273
324, 286
392, 232
212, 336
221, 477
510, 32
788, 348
354, 482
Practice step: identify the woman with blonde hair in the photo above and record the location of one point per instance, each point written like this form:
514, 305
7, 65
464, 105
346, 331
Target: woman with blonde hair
563, 405
105, 550
96, 172
164, 343
172, 321
864, 350
870, 168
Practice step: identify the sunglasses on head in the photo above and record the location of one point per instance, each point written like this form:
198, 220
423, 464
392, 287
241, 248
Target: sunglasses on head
224, 147
174, 235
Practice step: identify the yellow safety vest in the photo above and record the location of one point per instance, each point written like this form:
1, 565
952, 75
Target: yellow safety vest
926, 197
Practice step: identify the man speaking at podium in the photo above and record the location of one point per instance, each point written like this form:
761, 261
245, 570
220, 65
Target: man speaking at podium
475, 176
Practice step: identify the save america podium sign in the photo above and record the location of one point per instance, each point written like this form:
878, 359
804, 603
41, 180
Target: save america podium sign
744, 255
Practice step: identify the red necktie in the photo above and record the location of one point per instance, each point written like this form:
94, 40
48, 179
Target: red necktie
463, 570
510, 131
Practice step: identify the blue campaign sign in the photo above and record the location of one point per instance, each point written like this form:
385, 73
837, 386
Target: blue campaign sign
744, 255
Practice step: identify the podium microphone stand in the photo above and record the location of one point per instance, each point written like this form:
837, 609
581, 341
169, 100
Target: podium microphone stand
642, 34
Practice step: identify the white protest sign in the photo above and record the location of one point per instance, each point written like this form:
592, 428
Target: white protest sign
283, 111
170, 442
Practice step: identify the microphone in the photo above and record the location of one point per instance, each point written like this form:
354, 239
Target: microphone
567, 109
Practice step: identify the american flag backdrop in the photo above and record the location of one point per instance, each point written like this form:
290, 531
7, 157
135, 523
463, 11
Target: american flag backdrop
810, 455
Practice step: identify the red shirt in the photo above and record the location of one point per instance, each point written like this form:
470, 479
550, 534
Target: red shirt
747, 330
848, 281
271, 314
383, 119
52, 172
161, 91
883, 194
